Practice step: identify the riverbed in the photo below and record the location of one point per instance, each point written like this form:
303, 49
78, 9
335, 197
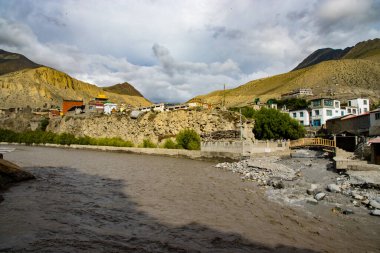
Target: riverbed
93, 201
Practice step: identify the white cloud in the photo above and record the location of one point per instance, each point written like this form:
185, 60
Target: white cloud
174, 50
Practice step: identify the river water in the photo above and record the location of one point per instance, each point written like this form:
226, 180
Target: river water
90, 201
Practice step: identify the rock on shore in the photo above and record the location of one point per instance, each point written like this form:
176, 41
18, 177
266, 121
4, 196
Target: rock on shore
11, 173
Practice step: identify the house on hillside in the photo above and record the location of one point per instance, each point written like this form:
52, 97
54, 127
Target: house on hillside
301, 92
323, 109
97, 104
302, 116
69, 105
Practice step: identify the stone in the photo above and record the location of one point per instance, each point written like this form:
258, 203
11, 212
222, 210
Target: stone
333, 188
375, 204
319, 196
375, 212
355, 203
365, 202
348, 211
312, 201
357, 196
278, 184
312, 189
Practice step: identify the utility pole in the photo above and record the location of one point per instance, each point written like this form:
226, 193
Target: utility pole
241, 127
224, 96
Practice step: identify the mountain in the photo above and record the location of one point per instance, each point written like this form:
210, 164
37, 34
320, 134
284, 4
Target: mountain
25, 83
324, 54
123, 89
356, 74
11, 62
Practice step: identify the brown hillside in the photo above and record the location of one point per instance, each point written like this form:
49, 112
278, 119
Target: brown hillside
345, 78
11, 62
123, 89
46, 87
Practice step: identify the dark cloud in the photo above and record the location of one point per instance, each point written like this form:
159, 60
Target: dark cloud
222, 31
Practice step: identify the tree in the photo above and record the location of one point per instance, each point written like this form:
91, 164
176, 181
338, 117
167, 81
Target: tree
273, 124
189, 139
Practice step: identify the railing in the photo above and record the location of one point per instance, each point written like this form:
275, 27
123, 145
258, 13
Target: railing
312, 142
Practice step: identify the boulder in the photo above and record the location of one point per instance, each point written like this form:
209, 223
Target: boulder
319, 196
333, 188
11, 173
312, 190
375, 204
375, 212
312, 201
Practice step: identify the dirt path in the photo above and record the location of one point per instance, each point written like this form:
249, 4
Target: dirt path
88, 201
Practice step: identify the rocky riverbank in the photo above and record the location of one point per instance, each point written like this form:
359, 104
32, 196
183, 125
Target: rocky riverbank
309, 182
11, 173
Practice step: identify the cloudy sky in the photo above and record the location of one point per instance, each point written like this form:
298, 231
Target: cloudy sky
173, 50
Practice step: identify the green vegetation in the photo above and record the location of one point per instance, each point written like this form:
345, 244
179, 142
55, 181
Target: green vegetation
42, 137
170, 144
189, 139
148, 144
273, 124
44, 123
246, 111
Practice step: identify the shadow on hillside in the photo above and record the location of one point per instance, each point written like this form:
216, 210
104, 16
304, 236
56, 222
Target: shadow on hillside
68, 211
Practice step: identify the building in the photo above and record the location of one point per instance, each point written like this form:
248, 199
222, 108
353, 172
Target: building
302, 116
301, 92
155, 107
323, 109
354, 124
110, 108
375, 150
97, 104
360, 104
68, 105
374, 128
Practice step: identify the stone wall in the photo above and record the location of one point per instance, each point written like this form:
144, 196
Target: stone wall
155, 126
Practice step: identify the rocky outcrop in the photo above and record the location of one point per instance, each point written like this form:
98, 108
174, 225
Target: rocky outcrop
151, 125
11, 173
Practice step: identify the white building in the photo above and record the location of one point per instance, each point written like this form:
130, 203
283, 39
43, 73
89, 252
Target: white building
323, 109
154, 107
360, 104
302, 116
109, 107
374, 125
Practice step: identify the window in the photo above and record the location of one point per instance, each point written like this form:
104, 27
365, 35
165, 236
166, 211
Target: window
354, 111
301, 114
317, 122
342, 113
294, 114
329, 112
336, 104
365, 110
377, 116
316, 112
348, 110
316, 102
301, 122
365, 102
349, 103
328, 102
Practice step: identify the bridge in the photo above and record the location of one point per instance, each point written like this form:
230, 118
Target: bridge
330, 145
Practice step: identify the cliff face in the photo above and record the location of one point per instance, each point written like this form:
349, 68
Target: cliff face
153, 126
46, 87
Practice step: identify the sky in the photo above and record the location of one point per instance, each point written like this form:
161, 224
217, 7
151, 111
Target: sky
173, 50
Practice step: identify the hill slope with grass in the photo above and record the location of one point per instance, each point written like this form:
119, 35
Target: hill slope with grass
357, 75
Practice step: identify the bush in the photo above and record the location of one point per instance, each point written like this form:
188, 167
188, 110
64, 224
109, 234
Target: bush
273, 124
43, 124
170, 144
189, 139
148, 144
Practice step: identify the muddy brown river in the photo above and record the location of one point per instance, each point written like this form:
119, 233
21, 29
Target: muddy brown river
89, 201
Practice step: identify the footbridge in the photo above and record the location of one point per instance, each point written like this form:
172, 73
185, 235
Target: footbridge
329, 145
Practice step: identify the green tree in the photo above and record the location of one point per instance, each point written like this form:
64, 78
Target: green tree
273, 124
189, 139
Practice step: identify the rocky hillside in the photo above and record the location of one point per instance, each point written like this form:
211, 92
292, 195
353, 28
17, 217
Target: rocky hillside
123, 89
358, 74
153, 126
46, 87
11, 62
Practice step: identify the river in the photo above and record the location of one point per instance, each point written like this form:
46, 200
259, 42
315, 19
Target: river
93, 201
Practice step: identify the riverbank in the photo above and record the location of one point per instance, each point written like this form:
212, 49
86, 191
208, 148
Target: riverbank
96, 201
192, 154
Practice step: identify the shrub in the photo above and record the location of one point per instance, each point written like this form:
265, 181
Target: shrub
43, 124
189, 139
273, 124
170, 144
148, 144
